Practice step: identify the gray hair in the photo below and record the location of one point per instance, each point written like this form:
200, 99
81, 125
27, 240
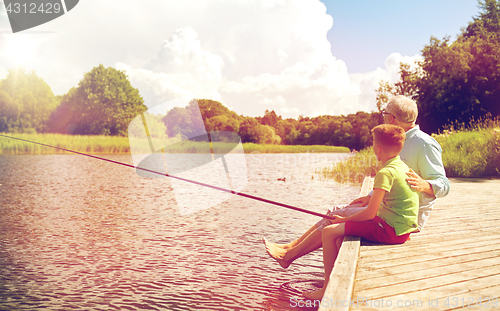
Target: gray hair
403, 108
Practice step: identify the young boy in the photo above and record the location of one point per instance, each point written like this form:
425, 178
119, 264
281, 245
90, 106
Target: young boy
392, 212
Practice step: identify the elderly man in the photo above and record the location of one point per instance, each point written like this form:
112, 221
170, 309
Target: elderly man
421, 153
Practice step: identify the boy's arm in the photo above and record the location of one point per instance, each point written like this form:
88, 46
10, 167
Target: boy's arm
369, 213
419, 184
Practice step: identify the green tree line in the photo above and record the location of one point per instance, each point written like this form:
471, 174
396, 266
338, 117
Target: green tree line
352, 131
104, 103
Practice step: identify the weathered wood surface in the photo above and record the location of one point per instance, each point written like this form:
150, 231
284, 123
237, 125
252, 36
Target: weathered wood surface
453, 263
341, 282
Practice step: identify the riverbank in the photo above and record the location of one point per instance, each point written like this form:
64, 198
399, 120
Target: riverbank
121, 145
471, 152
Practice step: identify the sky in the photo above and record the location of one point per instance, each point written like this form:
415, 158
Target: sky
296, 57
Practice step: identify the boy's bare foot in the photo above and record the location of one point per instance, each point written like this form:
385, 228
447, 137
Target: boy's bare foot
315, 295
284, 246
277, 253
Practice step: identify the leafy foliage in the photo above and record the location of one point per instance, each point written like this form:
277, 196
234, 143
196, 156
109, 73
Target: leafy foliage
104, 103
352, 131
405, 86
455, 80
26, 102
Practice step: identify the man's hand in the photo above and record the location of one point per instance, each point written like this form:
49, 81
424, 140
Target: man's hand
418, 183
362, 200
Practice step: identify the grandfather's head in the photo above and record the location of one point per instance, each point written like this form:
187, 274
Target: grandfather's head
401, 111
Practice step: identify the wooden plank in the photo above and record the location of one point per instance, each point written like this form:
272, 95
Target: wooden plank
483, 299
437, 255
341, 282
456, 288
418, 275
366, 272
455, 260
340, 286
386, 257
424, 247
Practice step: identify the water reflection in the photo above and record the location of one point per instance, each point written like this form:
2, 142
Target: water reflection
78, 233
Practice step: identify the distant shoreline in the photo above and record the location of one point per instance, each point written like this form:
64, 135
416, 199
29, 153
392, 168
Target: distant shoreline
120, 145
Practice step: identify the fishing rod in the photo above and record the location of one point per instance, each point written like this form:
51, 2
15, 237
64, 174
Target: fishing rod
183, 179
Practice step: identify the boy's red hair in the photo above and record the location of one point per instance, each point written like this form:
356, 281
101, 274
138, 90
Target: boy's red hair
390, 137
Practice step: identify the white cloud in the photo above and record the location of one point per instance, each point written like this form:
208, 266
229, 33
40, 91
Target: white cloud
369, 82
262, 52
181, 68
392, 64
250, 55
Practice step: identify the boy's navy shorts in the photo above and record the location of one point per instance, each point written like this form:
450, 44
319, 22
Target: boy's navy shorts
375, 230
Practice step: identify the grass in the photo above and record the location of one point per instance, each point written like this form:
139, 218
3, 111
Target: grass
354, 169
469, 150
255, 148
120, 145
86, 144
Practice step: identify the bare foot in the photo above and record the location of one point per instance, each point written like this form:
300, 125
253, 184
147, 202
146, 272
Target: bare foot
284, 246
277, 253
315, 295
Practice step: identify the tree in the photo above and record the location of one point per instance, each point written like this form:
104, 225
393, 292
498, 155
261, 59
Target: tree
462, 80
249, 131
285, 129
270, 118
487, 24
455, 81
222, 123
252, 131
104, 103
217, 117
26, 102
407, 85
268, 136
9, 113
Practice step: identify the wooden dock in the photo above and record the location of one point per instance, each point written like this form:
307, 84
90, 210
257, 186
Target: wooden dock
453, 263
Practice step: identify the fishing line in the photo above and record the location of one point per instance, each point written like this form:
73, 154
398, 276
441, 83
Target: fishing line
249, 196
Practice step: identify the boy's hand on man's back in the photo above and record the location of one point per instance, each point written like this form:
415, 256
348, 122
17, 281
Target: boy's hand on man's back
418, 183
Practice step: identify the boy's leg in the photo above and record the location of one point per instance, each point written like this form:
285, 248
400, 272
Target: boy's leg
310, 241
332, 240
295, 242
341, 210
285, 257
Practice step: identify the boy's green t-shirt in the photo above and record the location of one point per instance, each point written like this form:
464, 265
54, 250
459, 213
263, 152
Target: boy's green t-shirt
399, 208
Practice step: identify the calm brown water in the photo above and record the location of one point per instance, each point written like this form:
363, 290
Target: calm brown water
82, 234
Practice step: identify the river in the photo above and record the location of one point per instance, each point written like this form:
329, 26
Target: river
78, 233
